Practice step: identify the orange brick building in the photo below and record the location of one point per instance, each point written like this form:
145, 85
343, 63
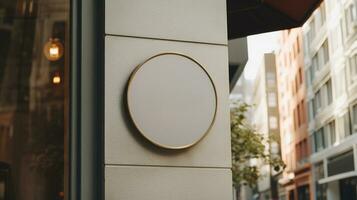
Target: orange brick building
296, 181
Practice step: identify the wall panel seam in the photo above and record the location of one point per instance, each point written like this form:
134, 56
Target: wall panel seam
165, 166
169, 40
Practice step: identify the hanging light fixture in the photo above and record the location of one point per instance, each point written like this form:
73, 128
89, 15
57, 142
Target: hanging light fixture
53, 49
56, 79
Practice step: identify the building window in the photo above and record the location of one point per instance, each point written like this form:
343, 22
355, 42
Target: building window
271, 79
34, 93
295, 119
303, 111
323, 97
347, 124
300, 75
312, 74
297, 84
329, 92
315, 64
323, 13
303, 192
351, 13
321, 189
353, 67
309, 77
291, 195
305, 148
354, 118
340, 164
323, 55
319, 139
312, 142
325, 50
275, 148
298, 152
319, 171
318, 101
325, 136
321, 58
298, 115
351, 18
272, 101
301, 151
331, 132
312, 31
311, 110
273, 122
344, 126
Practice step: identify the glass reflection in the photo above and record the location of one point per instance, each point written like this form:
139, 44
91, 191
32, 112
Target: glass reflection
33, 96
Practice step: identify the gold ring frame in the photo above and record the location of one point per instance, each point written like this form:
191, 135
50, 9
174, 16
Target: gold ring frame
142, 132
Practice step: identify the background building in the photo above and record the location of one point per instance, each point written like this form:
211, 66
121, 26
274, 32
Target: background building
64, 127
265, 118
331, 71
242, 93
292, 108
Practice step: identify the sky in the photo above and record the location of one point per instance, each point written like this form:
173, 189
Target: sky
257, 46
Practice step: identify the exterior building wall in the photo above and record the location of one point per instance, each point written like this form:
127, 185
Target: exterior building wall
134, 168
292, 106
330, 65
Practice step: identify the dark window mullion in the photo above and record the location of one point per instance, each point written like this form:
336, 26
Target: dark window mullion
87, 93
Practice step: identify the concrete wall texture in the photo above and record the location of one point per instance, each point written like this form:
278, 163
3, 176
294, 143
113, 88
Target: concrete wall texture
134, 168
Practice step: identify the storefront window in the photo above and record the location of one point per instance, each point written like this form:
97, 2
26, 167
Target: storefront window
348, 188
321, 189
341, 163
34, 63
303, 192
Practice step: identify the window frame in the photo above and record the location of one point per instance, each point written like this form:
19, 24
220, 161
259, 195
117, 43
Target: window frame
354, 118
273, 122
331, 127
272, 100
352, 63
318, 101
311, 112
319, 134
86, 113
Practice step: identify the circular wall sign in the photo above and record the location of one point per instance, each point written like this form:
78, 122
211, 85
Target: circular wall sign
172, 100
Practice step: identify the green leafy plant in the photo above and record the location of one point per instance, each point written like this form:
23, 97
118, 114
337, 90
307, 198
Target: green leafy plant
248, 145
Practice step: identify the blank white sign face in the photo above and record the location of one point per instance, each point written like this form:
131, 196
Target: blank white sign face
172, 100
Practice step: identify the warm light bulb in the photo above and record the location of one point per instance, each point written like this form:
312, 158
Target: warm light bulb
56, 79
53, 50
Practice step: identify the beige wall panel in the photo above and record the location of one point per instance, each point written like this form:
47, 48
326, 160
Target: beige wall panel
123, 144
188, 20
167, 183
